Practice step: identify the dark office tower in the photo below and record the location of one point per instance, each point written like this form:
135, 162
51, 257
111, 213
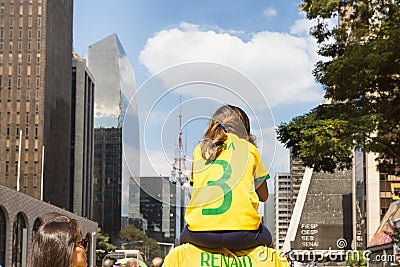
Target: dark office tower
114, 185
107, 173
35, 79
82, 137
157, 204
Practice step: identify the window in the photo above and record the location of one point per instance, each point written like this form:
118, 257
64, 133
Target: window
21, 9
29, 34
18, 228
28, 93
37, 82
28, 59
37, 70
28, 82
38, 46
38, 34
2, 237
29, 45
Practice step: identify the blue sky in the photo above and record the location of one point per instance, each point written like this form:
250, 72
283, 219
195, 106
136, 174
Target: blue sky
265, 40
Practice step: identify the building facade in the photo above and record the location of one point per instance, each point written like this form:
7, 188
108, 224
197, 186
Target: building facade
115, 87
283, 207
20, 218
82, 137
35, 80
157, 204
107, 174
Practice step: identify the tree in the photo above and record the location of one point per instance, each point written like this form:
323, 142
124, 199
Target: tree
131, 235
361, 81
103, 247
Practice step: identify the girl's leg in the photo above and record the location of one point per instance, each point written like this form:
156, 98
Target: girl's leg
234, 240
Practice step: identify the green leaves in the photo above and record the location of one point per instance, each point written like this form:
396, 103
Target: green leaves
361, 82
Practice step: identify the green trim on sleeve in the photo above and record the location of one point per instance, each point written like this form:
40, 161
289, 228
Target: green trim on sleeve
263, 178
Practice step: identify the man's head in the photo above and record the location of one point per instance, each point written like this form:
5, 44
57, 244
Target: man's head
157, 262
132, 263
108, 263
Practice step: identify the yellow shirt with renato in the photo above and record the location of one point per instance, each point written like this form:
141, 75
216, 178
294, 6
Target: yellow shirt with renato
223, 193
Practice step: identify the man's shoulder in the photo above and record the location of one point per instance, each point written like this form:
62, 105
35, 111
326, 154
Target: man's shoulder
191, 255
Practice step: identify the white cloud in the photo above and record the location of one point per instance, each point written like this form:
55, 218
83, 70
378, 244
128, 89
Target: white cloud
280, 64
270, 12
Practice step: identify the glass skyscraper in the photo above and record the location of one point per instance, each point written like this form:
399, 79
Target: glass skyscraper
114, 183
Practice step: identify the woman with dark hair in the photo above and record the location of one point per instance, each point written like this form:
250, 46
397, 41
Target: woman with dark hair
58, 242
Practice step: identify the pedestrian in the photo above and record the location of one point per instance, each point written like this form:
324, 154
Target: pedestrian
58, 242
132, 263
228, 180
156, 262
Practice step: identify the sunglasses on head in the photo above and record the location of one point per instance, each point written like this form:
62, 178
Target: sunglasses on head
84, 243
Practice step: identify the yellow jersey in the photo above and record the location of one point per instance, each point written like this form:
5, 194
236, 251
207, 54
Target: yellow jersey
223, 193
188, 255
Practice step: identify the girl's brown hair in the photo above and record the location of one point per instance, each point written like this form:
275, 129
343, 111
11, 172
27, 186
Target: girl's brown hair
54, 243
227, 119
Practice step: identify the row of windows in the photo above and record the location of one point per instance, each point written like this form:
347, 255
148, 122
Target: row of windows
27, 94
21, 9
28, 83
18, 118
22, 1
27, 106
10, 59
29, 46
10, 73
10, 34
18, 131
21, 22
25, 167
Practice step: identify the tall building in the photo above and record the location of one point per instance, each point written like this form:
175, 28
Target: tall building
322, 216
82, 137
107, 174
296, 172
35, 85
157, 204
269, 215
180, 177
115, 87
283, 207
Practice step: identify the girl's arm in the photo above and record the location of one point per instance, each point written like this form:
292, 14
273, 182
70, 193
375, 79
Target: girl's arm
262, 191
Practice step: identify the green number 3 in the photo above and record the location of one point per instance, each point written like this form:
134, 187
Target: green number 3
221, 182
